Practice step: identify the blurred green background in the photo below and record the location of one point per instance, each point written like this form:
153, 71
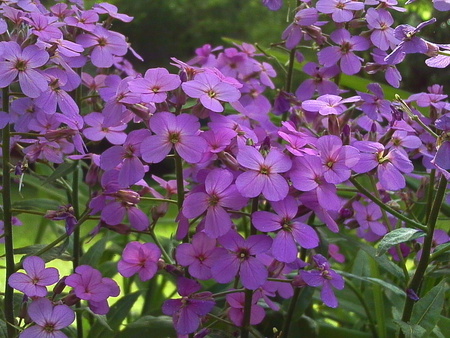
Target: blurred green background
174, 28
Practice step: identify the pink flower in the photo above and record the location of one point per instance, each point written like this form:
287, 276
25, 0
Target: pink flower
49, 319
141, 259
22, 63
219, 194
173, 131
34, 283
263, 175
210, 89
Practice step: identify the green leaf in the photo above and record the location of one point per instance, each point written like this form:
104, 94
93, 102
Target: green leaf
382, 261
398, 236
57, 252
63, 170
39, 204
340, 332
116, 315
149, 326
93, 255
395, 289
411, 331
427, 310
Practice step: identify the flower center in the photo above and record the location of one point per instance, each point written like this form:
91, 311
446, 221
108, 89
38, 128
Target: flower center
174, 138
265, 170
21, 65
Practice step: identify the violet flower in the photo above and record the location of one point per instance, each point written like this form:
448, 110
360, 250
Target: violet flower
106, 44
141, 259
410, 43
350, 63
340, 10
389, 165
173, 131
237, 306
291, 229
200, 255
211, 91
34, 283
263, 174
219, 194
17, 62
188, 310
326, 278
155, 84
88, 284
328, 104
49, 319
241, 260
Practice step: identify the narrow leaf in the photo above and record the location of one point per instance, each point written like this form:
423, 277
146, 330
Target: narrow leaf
62, 170
411, 331
427, 310
398, 236
378, 281
40, 204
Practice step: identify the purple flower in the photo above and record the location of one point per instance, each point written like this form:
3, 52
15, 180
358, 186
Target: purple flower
337, 160
340, 10
132, 170
326, 278
410, 43
141, 259
328, 104
219, 194
210, 89
200, 255
188, 310
308, 174
273, 5
294, 33
241, 260
319, 82
106, 44
111, 10
34, 283
350, 63
49, 319
237, 306
367, 216
373, 105
155, 84
97, 130
88, 284
389, 165
291, 229
173, 131
17, 62
380, 20
263, 175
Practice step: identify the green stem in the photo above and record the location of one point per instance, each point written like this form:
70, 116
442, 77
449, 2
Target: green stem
290, 313
364, 305
385, 207
378, 301
7, 222
151, 199
390, 228
245, 329
56, 241
163, 251
430, 193
290, 73
417, 279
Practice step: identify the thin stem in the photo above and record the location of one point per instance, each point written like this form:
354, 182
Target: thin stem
385, 207
7, 222
417, 279
151, 199
390, 228
290, 73
364, 305
61, 238
378, 301
163, 251
249, 293
290, 314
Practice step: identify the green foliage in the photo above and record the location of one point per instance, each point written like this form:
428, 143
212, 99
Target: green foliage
397, 236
